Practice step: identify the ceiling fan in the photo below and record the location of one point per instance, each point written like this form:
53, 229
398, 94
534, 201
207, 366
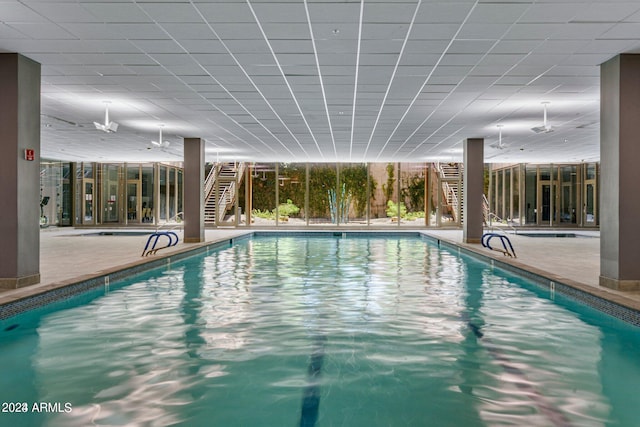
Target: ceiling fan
499, 145
545, 128
108, 127
160, 143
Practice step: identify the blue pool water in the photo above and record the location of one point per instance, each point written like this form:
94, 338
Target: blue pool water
320, 331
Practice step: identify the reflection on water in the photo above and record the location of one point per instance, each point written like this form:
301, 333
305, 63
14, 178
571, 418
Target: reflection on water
324, 331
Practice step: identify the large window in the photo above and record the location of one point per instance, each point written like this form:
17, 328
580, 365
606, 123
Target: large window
387, 195
263, 183
55, 193
515, 194
147, 206
590, 203
357, 192
291, 194
325, 200
412, 194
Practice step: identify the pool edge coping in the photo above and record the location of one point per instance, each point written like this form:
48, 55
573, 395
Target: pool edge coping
31, 297
35, 296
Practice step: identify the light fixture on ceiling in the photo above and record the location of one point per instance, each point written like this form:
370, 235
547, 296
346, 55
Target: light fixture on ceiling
160, 143
108, 127
499, 145
545, 128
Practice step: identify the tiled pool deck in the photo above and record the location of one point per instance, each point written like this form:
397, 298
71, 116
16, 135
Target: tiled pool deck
69, 256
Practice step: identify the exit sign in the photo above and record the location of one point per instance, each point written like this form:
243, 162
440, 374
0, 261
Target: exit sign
29, 154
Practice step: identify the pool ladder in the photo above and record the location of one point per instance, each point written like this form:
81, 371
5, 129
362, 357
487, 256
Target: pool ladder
507, 247
173, 240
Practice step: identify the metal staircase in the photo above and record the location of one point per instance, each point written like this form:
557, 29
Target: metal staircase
220, 190
451, 178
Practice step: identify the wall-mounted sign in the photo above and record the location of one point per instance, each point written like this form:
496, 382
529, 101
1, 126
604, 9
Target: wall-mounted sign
29, 154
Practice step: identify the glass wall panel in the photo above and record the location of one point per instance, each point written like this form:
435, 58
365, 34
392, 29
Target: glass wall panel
163, 193
355, 194
172, 191
88, 193
545, 192
452, 194
590, 195
530, 193
133, 171
324, 200
110, 193
433, 196
263, 182
507, 195
67, 195
180, 194
384, 202
133, 202
412, 194
568, 194
500, 193
147, 194
51, 194
291, 193
78, 197
382, 193
515, 213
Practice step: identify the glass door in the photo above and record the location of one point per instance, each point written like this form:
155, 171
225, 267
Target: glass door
590, 199
590, 203
110, 193
87, 206
546, 203
133, 202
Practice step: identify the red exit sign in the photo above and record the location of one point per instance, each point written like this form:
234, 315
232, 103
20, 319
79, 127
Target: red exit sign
29, 154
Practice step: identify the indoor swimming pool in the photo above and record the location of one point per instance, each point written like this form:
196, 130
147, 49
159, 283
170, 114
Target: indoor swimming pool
320, 330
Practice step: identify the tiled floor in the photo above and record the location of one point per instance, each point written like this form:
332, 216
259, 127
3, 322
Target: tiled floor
69, 255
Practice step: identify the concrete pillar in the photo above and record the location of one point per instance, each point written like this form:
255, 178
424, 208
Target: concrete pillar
193, 190
620, 174
19, 171
473, 190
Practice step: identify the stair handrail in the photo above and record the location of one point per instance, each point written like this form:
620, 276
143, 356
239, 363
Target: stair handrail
229, 192
451, 195
230, 176
211, 179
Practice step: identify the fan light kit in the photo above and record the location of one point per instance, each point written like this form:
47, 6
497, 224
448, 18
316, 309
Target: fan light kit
499, 145
160, 142
108, 127
545, 128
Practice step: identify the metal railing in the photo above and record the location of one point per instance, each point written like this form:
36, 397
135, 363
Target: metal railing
229, 177
507, 247
451, 192
173, 240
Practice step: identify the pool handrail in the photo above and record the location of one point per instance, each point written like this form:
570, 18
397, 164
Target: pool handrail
507, 251
169, 234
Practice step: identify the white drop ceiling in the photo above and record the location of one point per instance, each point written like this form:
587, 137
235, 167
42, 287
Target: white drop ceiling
317, 80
